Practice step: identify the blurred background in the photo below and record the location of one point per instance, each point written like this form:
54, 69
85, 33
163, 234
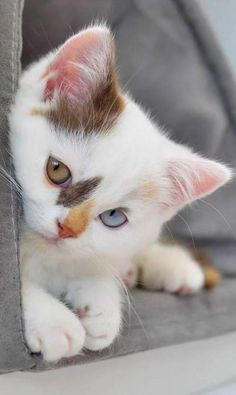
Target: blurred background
221, 16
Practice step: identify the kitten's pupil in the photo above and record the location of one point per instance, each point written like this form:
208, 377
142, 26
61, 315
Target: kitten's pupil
113, 218
56, 166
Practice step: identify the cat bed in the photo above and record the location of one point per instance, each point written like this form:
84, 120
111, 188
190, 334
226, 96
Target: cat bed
170, 61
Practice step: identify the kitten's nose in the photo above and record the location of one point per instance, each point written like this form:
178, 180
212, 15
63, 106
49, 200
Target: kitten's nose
64, 231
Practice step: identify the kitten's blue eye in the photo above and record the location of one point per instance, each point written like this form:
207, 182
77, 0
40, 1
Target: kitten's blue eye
113, 218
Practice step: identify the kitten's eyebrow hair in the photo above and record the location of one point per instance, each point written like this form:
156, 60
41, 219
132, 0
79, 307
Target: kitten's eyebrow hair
78, 192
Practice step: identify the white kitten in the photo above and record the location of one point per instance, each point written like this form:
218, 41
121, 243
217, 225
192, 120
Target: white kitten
98, 180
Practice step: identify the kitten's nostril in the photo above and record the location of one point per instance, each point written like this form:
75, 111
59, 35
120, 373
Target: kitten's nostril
64, 231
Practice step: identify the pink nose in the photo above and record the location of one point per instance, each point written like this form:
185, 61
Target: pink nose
64, 231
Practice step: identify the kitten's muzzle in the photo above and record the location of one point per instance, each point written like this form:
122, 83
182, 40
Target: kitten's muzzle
64, 231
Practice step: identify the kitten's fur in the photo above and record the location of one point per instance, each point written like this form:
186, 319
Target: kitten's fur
69, 105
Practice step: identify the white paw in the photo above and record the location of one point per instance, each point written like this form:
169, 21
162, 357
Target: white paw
171, 269
56, 334
101, 326
130, 278
97, 304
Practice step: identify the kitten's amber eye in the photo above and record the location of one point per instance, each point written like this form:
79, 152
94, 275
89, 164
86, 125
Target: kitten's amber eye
58, 172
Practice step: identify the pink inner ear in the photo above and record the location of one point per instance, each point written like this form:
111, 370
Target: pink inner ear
64, 72
193, 179
205, 182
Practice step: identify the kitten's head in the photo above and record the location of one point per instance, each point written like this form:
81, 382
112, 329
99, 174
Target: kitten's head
93, 168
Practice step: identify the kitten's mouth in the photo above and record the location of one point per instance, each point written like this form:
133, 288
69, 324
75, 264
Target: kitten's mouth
52, 240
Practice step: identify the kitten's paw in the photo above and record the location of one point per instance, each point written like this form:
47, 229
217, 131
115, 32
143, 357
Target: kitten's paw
57, 336
171, 269
97, 304
130, 278
101, 326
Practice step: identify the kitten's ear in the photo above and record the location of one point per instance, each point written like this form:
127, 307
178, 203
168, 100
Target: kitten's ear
191, 177
83, 64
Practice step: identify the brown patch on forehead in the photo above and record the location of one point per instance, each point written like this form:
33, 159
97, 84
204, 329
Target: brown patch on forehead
79, 217
78, 192
96, 113
97, 116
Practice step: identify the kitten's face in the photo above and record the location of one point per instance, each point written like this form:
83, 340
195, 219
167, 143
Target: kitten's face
93, 168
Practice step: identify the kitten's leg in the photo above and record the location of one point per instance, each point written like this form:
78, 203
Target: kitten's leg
169, 268
97, 301
50, 327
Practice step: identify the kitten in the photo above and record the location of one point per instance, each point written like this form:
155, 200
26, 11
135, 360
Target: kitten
98, 181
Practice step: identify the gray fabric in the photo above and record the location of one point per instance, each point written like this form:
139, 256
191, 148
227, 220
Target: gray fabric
163, 44
159, 320
183, 369
13, 353
224, 257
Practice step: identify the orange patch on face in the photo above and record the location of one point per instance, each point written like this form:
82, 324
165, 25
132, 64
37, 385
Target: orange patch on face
77, 219
148, 190
38, 111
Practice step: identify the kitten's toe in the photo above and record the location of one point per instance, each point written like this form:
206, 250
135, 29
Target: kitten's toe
101, 330
97, 303
62, 337
101, 326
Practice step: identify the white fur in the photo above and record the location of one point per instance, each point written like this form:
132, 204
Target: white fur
100, 300
86, 269
50, 327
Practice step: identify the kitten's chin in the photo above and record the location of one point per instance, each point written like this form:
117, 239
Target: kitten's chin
52, 240
56, 241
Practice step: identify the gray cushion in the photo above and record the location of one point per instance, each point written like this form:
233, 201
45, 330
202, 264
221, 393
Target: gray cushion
13, 352
158, 320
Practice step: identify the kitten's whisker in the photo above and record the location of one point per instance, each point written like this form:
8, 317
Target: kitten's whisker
130, 303
221, 215
189, 229
170, 232
10, 180
123, 88
131, 78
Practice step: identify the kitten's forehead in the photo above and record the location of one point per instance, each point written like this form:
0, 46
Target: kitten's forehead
117, 162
